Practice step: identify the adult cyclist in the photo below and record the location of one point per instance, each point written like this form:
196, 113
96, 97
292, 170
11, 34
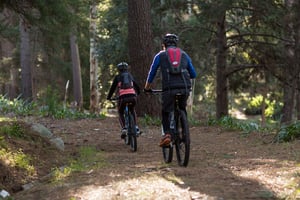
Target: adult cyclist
172, 82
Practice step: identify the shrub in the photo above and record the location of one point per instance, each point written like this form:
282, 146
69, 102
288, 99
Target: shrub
288, 132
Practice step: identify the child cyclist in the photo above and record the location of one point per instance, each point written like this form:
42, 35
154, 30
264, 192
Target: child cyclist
127, 91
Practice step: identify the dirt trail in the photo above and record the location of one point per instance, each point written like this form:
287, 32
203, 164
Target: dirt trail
223, 165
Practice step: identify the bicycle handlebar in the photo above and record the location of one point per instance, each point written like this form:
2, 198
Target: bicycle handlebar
114, 98
159, 91
151, 91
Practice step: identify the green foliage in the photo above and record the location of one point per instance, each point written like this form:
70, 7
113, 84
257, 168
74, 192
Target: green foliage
17, 159
51, 107
17, 106
51, 101
89, 158
193, 121
289, 132
234, 124
12, 130
254, 107
149, 120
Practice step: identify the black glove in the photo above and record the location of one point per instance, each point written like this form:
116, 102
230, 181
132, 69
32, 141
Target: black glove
147, 90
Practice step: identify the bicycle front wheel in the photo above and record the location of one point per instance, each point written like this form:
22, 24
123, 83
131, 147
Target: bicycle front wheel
168, 153
182, 141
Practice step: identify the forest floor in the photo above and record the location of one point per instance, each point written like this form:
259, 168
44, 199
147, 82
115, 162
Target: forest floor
223, 165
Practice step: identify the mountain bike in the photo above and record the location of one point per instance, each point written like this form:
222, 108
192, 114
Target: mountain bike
180, 135
130, 124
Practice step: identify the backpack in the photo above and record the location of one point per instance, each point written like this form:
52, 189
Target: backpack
126, 81
174, 57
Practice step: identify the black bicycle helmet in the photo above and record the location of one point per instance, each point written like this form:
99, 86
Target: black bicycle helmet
170, 40
122, 66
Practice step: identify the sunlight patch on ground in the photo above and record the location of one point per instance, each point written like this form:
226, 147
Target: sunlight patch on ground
145, 187
276, 179
2, 119
238, 114
111, 113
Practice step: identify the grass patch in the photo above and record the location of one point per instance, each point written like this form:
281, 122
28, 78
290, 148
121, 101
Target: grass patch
89, 158
150, 121
17, 159
13, 129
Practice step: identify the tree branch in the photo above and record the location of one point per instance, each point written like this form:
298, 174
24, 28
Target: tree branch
235, 68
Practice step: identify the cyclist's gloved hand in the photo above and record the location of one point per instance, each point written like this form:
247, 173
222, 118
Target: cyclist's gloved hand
147, 91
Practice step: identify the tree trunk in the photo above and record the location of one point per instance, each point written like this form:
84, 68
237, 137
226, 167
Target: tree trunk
141, 52
289, 70
222, 85
77, 82
297, 53
7, 54
25, 60
94, 96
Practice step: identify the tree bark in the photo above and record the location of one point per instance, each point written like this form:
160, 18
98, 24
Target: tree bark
25, 60
8, 47
141, 52
76, 69
222, 85
94, 96
289, 70
297, 53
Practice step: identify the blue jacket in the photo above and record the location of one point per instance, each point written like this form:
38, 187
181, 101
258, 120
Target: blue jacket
170, 81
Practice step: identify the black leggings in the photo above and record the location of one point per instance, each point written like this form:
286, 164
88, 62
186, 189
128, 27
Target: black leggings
168, 102
121, 106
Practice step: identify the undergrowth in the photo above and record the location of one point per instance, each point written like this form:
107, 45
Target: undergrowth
289, 132
235, 124
51, 107
89, 158
12, 130
285, 133
14, 158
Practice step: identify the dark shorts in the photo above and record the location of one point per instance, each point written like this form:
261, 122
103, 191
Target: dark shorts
124, 99
168, 99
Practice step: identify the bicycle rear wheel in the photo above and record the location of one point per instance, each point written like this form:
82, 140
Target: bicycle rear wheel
132, 133
182, 140
168, 153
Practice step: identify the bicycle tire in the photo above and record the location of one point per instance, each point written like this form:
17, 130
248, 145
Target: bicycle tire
182, 140
132, 133
168, 153
127, 138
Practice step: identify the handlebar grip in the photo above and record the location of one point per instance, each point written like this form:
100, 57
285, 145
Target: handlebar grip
147, 90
